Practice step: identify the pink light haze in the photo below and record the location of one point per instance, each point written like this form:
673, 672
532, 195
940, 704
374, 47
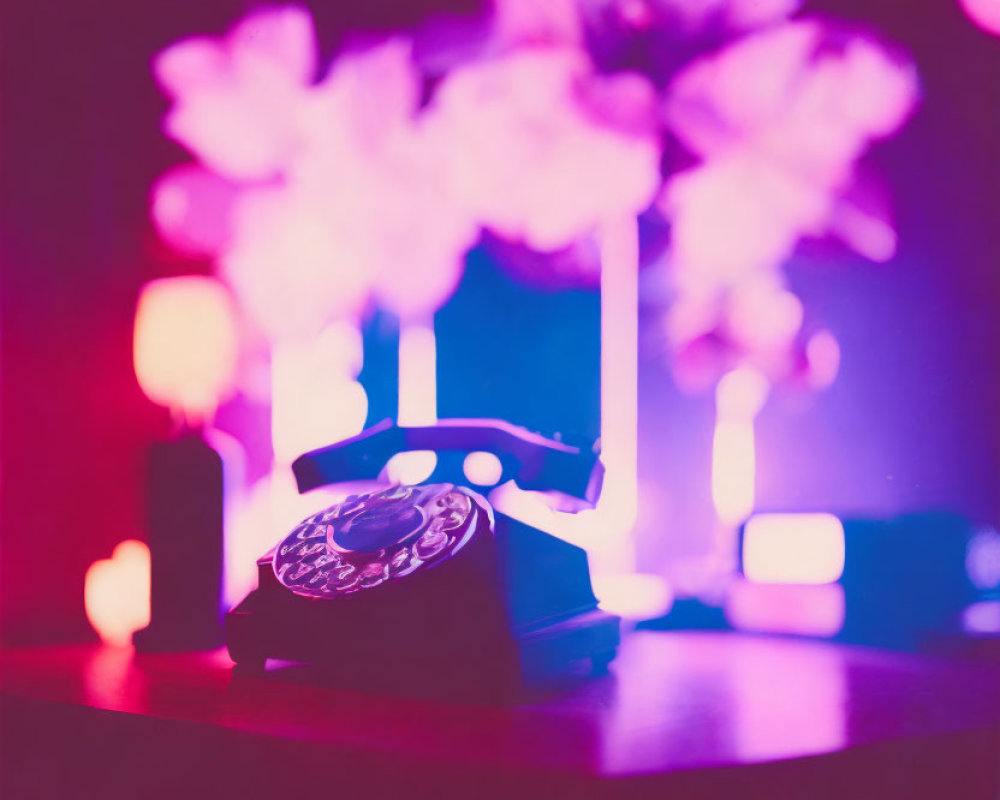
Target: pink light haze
793, 548
985, 13
192, 210
774, 685
761, 698
786, 608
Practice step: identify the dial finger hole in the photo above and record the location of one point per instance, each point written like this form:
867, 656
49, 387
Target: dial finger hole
399, 561
307, 532
344, 578
448, 521
317, 580
432, 543
457, 501
373, 574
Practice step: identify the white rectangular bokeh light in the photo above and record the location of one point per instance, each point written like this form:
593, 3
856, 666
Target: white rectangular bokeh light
793, 548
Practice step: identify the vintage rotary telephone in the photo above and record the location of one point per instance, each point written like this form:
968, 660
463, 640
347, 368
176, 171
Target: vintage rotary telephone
428, 582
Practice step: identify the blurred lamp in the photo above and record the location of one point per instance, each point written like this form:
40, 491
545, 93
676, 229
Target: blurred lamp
793, 548
185, 344
902, 582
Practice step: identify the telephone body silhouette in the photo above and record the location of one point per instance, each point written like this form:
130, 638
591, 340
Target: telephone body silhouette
428, 582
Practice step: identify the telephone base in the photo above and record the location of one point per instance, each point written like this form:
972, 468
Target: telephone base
451, 660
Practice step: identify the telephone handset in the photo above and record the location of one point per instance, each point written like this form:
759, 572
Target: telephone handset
430, 575
570, 476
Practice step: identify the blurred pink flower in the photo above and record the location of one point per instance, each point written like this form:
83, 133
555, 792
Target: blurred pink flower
532, 158
192, 209
237, 99
361, 209
778, 119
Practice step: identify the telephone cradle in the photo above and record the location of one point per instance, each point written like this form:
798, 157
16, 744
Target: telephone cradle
429, 583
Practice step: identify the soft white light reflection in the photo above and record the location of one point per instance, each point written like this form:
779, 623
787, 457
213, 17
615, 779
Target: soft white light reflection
792, 609
417, 373
482, 468
793, 548
738, 398
634, 596
411, 467
315, 399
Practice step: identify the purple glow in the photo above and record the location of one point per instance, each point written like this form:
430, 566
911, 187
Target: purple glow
754, 698
735, 13
982, 559
982, 617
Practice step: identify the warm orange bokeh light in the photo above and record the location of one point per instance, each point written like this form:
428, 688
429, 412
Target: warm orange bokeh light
116, 593
185, 345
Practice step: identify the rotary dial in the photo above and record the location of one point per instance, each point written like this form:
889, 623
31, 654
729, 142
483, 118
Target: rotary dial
373, 538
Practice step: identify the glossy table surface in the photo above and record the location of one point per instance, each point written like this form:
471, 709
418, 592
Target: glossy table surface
673, 704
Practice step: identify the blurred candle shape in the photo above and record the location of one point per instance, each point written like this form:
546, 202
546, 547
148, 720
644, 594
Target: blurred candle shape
738, 398
116, 593
185, 355
185, 345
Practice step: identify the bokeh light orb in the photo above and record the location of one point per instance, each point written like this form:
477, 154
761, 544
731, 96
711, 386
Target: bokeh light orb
985, 13
482, 468
185, 344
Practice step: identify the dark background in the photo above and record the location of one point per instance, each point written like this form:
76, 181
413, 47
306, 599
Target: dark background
912, 422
